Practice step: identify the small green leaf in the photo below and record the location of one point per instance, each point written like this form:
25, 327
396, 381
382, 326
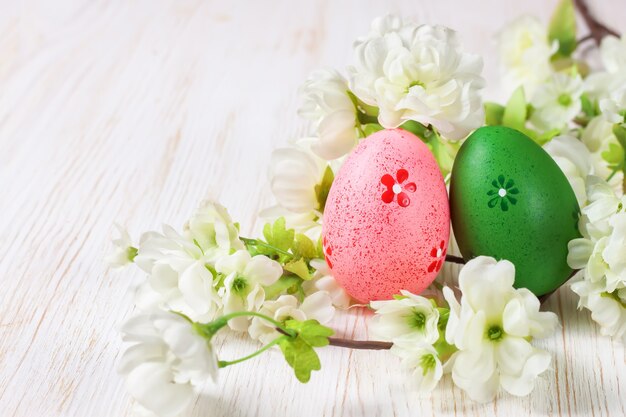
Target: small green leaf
301, 357
311, 331
589, 107
320, 249
545, 137
298, 267
303, 247
323, 188
515, 113
444, 151
563, 28
278, 235
298, 350
399, 297
493, 114
614, 155
619, 130
417, 129
280, 286
370, 128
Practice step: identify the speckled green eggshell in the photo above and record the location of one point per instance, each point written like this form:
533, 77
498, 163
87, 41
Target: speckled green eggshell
510, 200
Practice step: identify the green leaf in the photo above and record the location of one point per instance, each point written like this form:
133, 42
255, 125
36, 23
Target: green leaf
614, 155
516, 112
563, 28
370, 128
311, 331
280, 286
493, 114
320, 249
278, 235
417, 129
323, 188
303, 247
298, 267
545, 137
444, 153
298, 350
301, 357
619, 130
589, 108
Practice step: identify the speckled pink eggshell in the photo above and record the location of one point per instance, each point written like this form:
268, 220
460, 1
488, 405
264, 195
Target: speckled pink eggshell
386, 219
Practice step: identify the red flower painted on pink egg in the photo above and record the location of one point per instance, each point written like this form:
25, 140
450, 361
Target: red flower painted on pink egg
328, 251
397, 189
438, 252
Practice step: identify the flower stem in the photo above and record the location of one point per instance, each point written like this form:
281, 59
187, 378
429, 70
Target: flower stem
224, 364
256, 242
613, 172
255, 314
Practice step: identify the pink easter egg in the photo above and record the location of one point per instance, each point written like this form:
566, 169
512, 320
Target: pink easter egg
386, 219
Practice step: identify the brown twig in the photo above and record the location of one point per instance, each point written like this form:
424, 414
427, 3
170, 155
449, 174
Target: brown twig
455, 259
360, 344
598, 30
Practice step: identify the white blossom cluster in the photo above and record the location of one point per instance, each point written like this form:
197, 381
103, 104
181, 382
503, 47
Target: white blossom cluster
483, 341
203, 273
401, 72
601, 255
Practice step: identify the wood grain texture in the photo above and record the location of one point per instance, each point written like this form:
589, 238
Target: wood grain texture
133, 112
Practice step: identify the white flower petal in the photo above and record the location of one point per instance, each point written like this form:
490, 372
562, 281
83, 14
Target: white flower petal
262, 270
151, 384
318, 306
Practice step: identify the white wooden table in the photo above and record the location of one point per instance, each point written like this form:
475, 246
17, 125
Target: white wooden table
134, 112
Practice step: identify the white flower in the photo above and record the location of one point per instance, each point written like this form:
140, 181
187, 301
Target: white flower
600, 84
598, 134
123, 251
213, 230
317, 306
573, 157
179, 265
491, 328
613, 53
602, 203
411, 317
294, 173
371, 51
599, 138
557, 102
603, 259
421, 357
244, 279
614, 254
176, 268
323, 280
419, 73
166, 360
326, 102
525, 54
614, 107
607, 309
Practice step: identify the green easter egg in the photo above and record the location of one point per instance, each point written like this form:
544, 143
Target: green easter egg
510, 200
